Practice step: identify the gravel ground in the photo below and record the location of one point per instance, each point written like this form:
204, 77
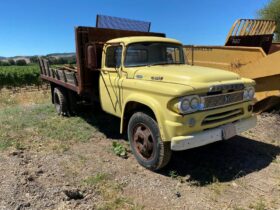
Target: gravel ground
241, 173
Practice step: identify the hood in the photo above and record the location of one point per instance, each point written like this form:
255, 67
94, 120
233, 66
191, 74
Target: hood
184, 74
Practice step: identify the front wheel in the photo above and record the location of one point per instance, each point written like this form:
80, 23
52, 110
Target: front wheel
145, 141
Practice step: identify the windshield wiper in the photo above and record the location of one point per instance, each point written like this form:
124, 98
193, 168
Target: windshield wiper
164, 63
136, 65
159, 63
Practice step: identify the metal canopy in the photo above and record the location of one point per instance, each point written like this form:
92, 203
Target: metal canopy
104, 21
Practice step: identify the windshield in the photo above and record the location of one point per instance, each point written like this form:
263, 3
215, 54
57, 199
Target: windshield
153, 53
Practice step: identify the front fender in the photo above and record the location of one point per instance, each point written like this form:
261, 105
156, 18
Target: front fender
152, 103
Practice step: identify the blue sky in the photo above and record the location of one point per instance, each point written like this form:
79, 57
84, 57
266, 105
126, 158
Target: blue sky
38, 27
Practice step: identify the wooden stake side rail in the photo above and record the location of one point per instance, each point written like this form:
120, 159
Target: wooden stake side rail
61, 76
59, 82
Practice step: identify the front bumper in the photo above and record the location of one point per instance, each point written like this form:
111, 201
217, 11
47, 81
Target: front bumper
209, 136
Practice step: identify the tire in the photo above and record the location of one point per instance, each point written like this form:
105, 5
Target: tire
146, 144
60, 102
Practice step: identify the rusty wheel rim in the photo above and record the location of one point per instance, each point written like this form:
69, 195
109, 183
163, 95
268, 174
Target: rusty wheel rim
143, 141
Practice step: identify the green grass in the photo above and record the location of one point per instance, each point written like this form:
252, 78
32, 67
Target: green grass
11, 76
40, 123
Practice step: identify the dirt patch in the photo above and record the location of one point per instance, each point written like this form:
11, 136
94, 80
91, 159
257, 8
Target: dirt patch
41, 169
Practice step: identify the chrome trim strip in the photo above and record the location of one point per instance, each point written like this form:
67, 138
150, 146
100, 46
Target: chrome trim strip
236, 86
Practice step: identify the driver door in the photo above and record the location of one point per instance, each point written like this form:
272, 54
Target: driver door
109, 84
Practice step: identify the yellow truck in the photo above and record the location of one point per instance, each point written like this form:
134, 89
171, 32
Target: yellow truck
164, 104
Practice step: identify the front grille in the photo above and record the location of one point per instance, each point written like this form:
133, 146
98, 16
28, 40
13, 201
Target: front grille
214, 101
215, 118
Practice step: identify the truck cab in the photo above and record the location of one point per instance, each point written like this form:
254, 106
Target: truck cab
164, 103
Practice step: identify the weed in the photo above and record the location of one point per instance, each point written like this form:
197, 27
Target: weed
215, 179
82, 159
61, 147
260, 205
120, 203
119, 149
4, 144
173, 174
275, 160
98, 178
217, 186
237, 208
19, 146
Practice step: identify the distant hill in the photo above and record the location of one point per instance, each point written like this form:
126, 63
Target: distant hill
61, 54
27, 58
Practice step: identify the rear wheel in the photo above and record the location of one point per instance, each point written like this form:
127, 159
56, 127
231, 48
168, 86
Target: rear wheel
60, 101
145, 141
72, 103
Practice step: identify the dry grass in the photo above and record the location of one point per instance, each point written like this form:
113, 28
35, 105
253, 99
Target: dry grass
24, 98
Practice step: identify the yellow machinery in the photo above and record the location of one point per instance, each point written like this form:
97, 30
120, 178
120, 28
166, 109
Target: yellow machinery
250, 52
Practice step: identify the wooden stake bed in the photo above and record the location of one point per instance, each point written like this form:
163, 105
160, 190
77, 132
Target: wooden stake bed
63, 76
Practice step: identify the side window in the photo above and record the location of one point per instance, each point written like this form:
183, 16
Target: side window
113, 56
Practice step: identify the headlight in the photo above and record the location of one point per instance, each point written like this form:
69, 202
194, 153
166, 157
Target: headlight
185, 105
189, 104
195, 103
249, 93
245, 94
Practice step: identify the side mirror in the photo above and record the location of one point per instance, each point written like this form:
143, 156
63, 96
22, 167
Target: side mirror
91, 57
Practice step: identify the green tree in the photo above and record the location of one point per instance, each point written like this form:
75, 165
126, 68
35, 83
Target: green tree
5, 63
52, 60
271, 11
34, 59
21, 62
61, 61
12, 62
72, 60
